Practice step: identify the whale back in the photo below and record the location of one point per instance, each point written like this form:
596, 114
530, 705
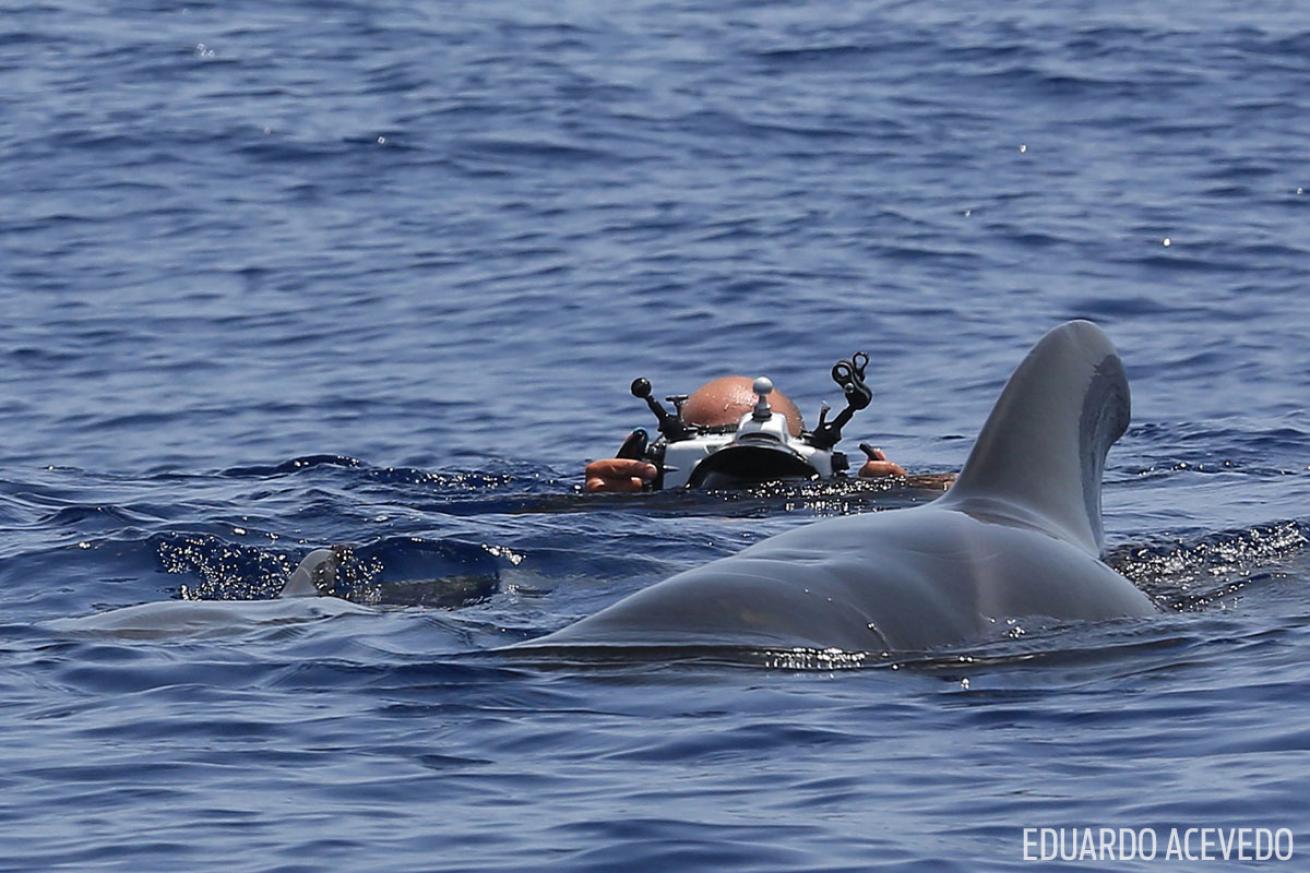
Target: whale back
1040, 456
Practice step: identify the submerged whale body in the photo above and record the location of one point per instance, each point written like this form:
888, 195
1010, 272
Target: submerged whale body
1018, 535
298, 601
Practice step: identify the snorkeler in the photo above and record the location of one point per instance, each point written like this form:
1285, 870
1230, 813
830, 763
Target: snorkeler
713, 423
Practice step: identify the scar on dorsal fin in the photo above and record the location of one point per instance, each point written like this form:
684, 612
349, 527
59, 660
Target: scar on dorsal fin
1041, 454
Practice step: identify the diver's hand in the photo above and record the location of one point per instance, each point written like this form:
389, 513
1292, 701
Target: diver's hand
878, 465
618, 474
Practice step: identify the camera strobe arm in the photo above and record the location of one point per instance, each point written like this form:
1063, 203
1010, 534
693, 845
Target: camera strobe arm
850, 376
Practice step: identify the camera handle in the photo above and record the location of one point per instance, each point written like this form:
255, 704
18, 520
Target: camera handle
849, 375
671, 425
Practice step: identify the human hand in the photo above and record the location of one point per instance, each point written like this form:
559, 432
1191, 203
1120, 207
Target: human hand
618, 474
878, 465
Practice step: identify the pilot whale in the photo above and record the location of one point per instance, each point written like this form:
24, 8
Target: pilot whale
1018, 535
299, 600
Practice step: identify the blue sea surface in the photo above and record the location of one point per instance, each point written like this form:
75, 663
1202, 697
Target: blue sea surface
283, 275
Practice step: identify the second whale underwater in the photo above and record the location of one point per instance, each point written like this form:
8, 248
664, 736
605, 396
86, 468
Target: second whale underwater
1018, 535
297, 601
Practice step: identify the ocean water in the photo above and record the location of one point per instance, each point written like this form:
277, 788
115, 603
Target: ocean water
276, 276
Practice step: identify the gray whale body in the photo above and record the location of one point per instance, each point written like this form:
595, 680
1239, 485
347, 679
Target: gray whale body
300, 600
1018, 535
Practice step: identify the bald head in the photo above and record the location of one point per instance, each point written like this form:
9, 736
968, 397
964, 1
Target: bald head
725, 400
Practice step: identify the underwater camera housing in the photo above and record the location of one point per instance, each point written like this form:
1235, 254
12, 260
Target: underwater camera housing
759, 448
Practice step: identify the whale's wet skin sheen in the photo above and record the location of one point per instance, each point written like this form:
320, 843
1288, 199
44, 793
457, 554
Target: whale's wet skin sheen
279, 276
1017, 536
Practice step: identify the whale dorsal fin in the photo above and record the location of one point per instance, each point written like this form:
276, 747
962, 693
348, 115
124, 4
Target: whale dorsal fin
1041, 454
316, 571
